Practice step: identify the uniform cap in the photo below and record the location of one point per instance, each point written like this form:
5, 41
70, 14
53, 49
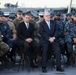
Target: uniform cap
6, 14
68, 14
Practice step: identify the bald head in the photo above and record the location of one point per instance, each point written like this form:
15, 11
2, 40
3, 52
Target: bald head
47, 16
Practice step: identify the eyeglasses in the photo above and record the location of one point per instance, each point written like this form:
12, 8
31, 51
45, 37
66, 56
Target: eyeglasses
41, 16
6, 16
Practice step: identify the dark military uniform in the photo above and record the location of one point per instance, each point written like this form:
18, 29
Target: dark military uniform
74, 34
5, 31
60, 24
73, 29
68, 29
68, 32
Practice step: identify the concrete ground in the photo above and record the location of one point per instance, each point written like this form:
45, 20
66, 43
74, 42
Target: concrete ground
71, 70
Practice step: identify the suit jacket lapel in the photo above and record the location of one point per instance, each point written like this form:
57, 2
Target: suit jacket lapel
51, 25
46, 25
26, 27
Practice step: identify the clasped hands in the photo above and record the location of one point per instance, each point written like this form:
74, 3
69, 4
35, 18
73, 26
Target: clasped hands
28, 40
51, 39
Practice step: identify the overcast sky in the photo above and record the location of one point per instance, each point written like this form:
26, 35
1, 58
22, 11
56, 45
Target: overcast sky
39, 3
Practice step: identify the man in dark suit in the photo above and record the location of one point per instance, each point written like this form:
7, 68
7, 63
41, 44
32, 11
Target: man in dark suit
25, 35
49, 35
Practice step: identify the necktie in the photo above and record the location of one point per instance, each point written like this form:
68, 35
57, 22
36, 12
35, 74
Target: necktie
27, 26
49, 25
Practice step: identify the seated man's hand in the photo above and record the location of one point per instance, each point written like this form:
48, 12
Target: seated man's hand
28, 40
52, 39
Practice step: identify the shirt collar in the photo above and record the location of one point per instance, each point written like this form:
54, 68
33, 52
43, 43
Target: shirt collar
48, 22
26, 23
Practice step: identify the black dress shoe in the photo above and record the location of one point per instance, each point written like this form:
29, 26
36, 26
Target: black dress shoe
59, 69
34, 64
44, 70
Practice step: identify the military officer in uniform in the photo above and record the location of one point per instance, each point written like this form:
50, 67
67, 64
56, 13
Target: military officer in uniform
68, 33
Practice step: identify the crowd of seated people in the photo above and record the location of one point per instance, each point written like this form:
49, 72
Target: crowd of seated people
38, 39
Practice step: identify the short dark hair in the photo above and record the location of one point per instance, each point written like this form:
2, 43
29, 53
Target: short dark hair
26, 13
41, 16
19, 11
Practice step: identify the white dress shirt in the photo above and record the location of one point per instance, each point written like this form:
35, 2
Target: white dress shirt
27, 25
